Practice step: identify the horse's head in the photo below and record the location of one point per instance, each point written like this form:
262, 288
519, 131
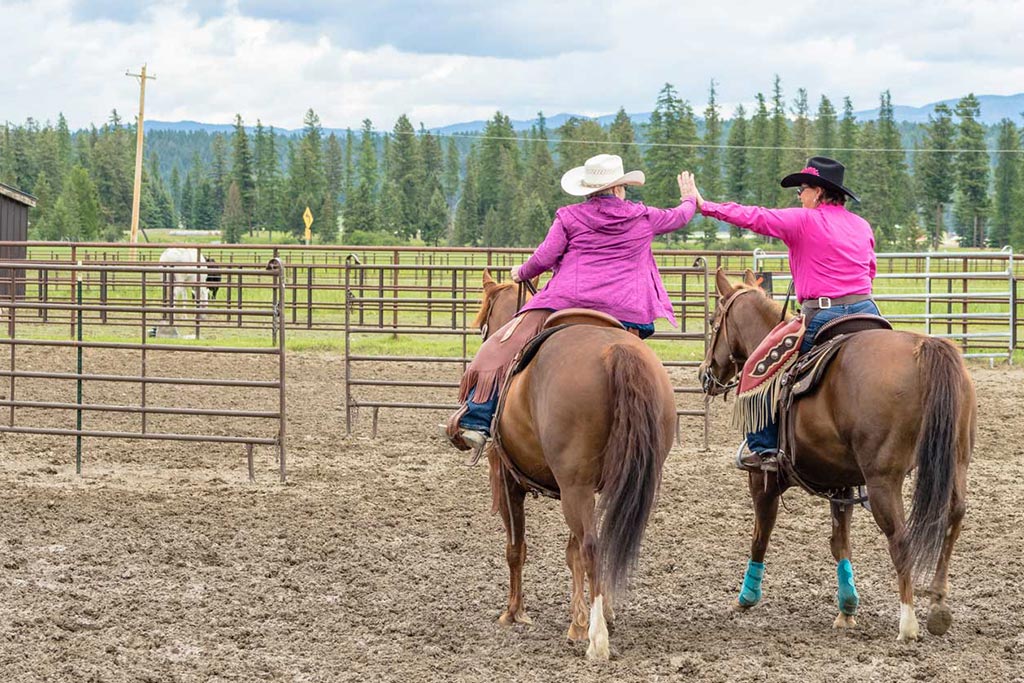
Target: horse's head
743, 316
211, 277
498, 305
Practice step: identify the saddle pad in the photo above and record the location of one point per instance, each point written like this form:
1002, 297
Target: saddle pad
775, 351
760, 380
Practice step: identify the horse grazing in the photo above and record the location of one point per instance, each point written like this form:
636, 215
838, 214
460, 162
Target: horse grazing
183, 283
593, 412
889, 401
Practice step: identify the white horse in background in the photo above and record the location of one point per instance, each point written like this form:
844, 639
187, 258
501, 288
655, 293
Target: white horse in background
185, 283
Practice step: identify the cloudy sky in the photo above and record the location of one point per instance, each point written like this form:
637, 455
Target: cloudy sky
446, 61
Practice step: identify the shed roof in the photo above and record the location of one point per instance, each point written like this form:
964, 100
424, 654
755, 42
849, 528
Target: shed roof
17, 195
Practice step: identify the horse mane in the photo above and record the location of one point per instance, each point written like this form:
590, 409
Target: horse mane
764, 302
488, 300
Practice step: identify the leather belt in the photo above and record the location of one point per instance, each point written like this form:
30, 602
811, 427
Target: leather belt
823, 302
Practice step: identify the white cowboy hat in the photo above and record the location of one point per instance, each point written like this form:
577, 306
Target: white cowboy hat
599, 173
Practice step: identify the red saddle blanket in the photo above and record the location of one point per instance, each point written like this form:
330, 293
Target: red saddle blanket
760, 380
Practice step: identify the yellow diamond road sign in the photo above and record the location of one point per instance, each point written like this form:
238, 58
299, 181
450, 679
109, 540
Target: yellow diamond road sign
308, 218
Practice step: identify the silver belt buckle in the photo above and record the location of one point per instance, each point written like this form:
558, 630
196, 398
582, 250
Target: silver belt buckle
824, 302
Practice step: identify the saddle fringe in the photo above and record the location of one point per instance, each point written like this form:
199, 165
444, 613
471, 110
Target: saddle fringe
758, 407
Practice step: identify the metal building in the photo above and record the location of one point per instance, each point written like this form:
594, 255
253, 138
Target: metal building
14, 206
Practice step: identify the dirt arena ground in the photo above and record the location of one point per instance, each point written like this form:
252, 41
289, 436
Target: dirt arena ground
379, 561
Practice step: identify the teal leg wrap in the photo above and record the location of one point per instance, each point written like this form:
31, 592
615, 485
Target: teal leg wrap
751, 593
847, 596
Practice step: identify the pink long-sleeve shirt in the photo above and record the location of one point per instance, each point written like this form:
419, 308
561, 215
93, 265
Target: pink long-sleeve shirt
831, 250
600, 252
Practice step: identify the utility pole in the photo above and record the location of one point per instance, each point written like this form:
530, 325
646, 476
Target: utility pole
137, 191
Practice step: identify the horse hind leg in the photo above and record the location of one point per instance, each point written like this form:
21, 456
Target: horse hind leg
578, 608
578, 509
940, 618
514, 518
887, 509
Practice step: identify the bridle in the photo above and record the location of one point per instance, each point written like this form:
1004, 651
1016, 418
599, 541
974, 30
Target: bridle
711, 382
526, 285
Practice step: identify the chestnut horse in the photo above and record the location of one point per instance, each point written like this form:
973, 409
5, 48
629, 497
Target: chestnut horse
593, 412
889, 402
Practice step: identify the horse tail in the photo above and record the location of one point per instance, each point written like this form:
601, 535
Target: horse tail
631, 473
944, 381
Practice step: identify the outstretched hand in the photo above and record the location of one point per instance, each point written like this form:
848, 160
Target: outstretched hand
688, 188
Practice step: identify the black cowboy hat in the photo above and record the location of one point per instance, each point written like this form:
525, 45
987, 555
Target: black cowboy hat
820, 172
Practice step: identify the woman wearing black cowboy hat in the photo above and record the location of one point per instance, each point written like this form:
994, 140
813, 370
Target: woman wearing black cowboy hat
831, 257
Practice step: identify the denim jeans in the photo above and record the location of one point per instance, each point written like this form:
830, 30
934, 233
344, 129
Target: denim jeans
767, 439
479, 415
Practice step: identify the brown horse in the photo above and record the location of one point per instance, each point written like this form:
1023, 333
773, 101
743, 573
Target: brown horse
593, 412
889, 402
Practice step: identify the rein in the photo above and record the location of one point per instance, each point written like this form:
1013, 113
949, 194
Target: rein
524, 287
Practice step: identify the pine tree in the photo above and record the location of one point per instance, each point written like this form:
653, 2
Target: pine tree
360, 212
578, 140
307, 183
220, 175
848, 140
498, 143
895, 199
934, 171
711, 162
242, 172
234, 222
45, 199
778, 139
467, 213
762, 180
406, 173
672, 134
803, 132
334, 169
450, 177
435, 223
825, 123
622, 137
176, 188
1008, 207
185, 208
972, 167
540, 179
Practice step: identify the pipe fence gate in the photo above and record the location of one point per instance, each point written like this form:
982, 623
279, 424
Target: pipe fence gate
55, 307
967, 297
396, 314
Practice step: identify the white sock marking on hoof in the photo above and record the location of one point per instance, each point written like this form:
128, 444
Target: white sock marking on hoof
908, 623
598, 633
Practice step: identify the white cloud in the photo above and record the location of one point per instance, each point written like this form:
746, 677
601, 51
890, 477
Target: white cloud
350, 61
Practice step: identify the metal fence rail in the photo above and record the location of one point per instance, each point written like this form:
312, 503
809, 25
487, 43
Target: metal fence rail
449, 314
35, 324
315, 282
967, 297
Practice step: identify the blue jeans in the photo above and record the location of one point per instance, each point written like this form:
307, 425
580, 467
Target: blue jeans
479, 415
767, 439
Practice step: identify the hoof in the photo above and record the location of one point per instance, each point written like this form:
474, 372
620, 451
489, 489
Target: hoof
508, 619
738, 606
939, 619
577, 633
844, 621
598, 651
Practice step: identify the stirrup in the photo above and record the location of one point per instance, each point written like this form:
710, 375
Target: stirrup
749, 461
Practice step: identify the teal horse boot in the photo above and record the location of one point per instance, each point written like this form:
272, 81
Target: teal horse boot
750, 594
846, 596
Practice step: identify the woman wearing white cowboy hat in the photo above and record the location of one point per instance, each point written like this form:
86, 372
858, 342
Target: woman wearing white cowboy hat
600, 253
831, 257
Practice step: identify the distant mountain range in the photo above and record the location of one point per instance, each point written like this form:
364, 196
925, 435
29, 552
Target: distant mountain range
994, 108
